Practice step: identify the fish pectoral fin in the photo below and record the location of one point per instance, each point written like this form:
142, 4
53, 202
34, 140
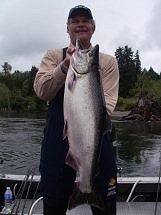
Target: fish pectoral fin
77, 198
72, 161
65, 130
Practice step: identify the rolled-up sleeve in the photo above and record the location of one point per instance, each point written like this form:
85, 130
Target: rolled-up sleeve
110, 80
49, 78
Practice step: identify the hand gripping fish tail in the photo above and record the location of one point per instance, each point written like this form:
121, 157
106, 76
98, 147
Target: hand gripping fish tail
86, 121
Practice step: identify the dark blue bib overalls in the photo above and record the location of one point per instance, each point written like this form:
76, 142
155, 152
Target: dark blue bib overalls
57, 178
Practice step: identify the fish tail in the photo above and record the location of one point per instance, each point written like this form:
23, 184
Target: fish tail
78, 198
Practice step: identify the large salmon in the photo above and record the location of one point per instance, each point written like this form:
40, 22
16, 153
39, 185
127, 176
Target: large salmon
85, 115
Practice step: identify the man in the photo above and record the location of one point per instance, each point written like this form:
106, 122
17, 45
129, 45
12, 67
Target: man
57, 177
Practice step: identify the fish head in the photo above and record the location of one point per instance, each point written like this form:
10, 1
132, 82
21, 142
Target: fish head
94, 58
82, 60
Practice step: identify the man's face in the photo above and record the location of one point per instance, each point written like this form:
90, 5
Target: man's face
80, 27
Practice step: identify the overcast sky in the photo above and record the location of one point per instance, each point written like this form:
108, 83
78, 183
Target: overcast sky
28, 28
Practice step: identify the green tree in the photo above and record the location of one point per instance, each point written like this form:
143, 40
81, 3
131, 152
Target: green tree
29, 81
6, 68
137, 62
148, 86
17, 90
129, 68
5, 75
153, 74
4, 96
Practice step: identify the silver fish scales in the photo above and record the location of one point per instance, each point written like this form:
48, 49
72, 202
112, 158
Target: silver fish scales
85, 116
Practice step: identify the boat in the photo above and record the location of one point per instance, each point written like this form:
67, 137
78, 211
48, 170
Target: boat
136, 195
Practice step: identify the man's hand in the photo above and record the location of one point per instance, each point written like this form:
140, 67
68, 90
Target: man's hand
69, 53
66, 62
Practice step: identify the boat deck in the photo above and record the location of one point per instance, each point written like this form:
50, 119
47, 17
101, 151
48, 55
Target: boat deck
143, 185
123, 208
138, 208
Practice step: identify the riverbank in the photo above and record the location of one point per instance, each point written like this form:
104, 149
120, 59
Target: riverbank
118, 115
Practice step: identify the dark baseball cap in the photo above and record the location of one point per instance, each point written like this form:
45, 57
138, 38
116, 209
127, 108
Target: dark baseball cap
80, 9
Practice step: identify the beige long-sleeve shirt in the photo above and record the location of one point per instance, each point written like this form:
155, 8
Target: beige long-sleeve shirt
49, 78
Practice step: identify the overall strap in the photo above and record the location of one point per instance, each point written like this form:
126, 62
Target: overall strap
64, 52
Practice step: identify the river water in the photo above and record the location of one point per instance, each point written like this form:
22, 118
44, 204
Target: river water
139, 145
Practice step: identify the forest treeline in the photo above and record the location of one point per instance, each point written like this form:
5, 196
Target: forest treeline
17, 94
